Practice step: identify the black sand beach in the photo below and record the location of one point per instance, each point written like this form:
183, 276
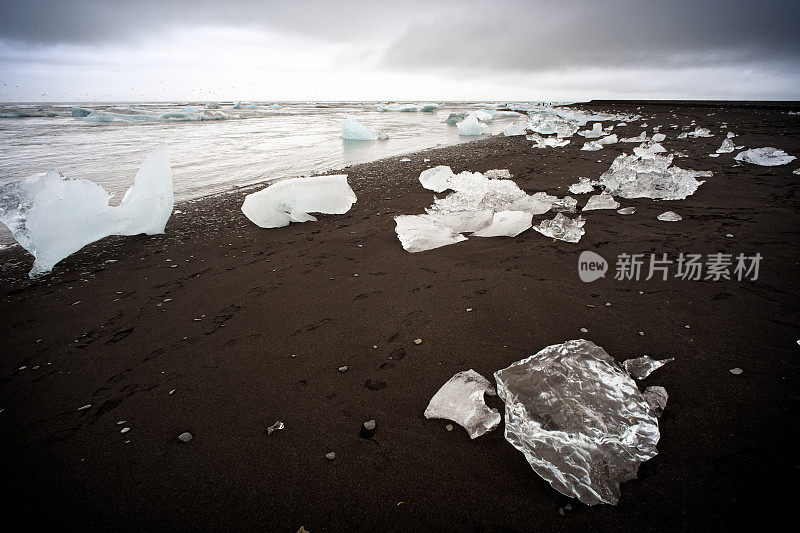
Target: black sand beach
220, 330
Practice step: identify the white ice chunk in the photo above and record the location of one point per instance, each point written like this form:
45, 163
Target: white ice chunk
730, 135
642, 137
700, 132
601, 201
669, 216
407, 108
726, 147
461, 400
609, 139
562, 228
292, 199
53, 217
631, 176
591, 146
471, 126
659, 137
626, 210
648, 150
547, 142
766, 157
584, 186
418, 233
641, 367
656, 398
595, 132
579, 419
437, 179
506, 224
483, 115
353, 130
514, 129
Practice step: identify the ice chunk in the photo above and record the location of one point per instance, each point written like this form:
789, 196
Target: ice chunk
656, 398
626, 211
631, 176
584, 186
461, 400
547, 142
726, 147
514, 129
579, 419
730, 135
766, 157
506, 224
601, 201
648, 150
471, 126
53, 217
700, 132
592, 146
406, 108
418, 233
482, 115
80, 112
641, 367
455, 118
595, 132
669, 216
353, 130
796, 171
437, 179
642, 137
292, 199
609, 139
568, 204
659, 137
562, 228
429, 108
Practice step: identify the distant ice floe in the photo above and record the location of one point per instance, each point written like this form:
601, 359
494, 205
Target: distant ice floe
562, 228
648, 175
78, 112
765, 157
601, 201
579, 419
406, 108
52, 216
353, 130
669, 216
461, 400
292, 199
134, 116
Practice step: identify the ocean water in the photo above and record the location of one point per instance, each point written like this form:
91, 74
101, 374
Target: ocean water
212, 150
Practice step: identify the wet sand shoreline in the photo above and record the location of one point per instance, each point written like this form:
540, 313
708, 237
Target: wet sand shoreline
220, 330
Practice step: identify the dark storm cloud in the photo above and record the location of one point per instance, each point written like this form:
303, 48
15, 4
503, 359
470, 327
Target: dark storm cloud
536, 36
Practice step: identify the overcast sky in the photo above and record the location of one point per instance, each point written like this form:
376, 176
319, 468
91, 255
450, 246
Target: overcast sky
93, 50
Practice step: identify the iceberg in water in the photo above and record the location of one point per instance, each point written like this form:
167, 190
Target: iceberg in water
455, 118
292, 199
407, 108
353, 130
80, 112
461, 400
601, 201
766, 157
579, 419
653, 176
53, 217
471, 126
562, 228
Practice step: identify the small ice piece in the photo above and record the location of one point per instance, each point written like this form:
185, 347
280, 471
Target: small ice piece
796, 171
730, 135
659, 137
568, 204
584, 186
461, 400
595, 132
353, 130
418, 233
656, 398
514, 129
80, 112
292, 199
579, 419
648, 150
626, 211
641, 367
726, 147
562, 228
713, 155
700, 132
669, 216
651, 176
506, 224
601, 201
609, 139
437, 179
53, 217
642, 137
736, 371
591, 146
547, 142
471, 126
455, 118
405, 159
275, 427
766, 157
683, 135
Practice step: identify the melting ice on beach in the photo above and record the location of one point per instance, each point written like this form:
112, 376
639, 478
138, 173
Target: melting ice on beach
52, 216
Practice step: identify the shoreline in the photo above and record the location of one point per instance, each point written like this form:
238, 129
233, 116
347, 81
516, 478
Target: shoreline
207, 347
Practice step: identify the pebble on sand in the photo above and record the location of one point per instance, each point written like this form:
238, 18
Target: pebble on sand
736, 371
125, 430
330, 456
343, 368
449, 427
185, 436
417, 341
584, 330
85, 407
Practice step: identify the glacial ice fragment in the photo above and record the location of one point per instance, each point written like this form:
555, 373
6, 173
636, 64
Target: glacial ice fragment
514, 129
594, 133
766, 157
642, 137
648, 150
436, 179
292, 199
455, 118
418, 233
461, 400
591, 146
726, 147
562, 228
584, 186
641, 367
626, 211
353, 130
669, 216
632, 176
608, 139
579, 419
53, 217
471, 126
656, 398
547, 142
601, 201
700, 132
506, 224
659, 137
80, 112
